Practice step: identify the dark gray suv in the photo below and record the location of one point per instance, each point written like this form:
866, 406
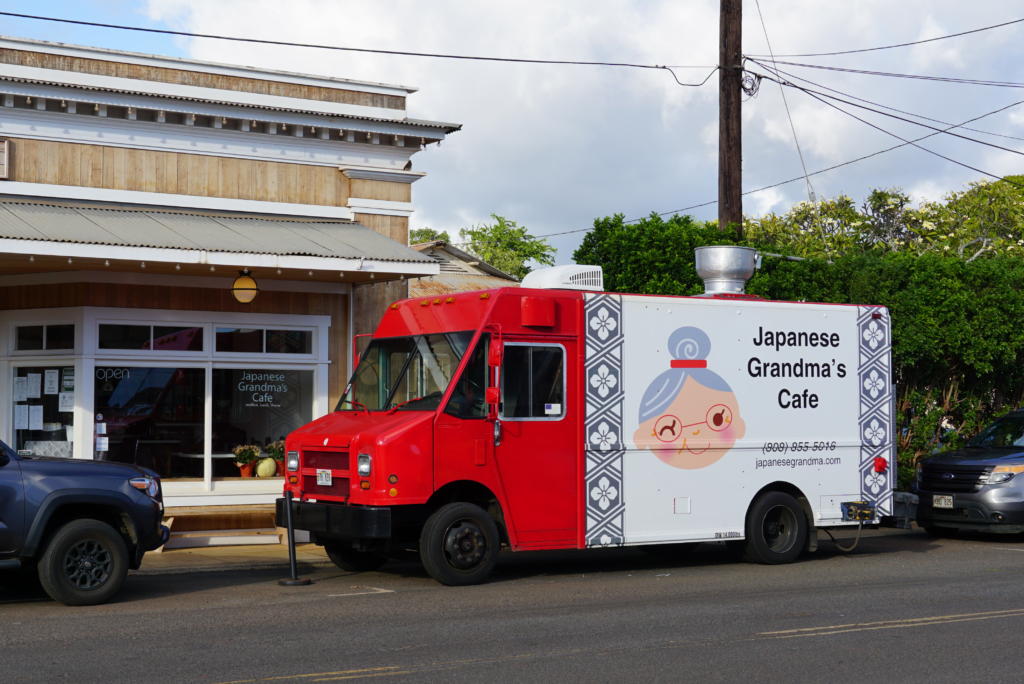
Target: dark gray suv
979, 487
81, 524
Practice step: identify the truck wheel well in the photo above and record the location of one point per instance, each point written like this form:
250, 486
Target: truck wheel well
470, 492
793, 491
107, 514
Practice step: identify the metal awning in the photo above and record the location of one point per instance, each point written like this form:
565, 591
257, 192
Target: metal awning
200, 237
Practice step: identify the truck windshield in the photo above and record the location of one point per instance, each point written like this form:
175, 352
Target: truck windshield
405, 373
1007, 432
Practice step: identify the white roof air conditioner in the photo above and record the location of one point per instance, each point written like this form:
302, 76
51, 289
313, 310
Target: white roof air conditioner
571, 277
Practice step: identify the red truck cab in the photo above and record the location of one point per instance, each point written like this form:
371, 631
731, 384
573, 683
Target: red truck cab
423, 449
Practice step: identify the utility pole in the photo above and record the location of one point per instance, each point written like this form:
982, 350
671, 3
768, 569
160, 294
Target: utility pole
730, 149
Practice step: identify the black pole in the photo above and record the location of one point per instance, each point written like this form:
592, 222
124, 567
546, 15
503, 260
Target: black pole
293, 580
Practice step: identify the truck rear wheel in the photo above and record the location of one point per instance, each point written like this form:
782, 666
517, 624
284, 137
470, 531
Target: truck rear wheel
459, 544
347, 558
85, 563
776, 529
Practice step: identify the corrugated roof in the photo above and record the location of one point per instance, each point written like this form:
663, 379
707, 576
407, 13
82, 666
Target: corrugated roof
212, 231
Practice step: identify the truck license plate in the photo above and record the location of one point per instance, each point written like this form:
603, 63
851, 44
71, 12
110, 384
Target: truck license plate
942, 501
323, 478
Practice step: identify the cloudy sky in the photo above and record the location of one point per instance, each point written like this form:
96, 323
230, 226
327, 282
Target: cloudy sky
553, 147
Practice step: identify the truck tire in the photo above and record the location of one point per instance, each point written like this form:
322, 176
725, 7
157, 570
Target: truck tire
351, 560
85, 563
776, 529
459, 544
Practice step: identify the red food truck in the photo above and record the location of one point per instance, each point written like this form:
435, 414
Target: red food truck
557, 416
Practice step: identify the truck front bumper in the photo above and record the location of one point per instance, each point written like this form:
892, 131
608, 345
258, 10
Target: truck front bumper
336, 521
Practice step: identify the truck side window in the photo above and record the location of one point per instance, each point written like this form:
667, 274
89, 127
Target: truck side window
467, 400
533, 382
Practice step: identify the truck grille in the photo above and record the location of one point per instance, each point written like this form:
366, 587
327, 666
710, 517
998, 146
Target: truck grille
337, 462
952, 478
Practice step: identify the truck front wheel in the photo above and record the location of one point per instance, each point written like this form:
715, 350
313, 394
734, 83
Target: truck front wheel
459, 544
85, 563
776, 529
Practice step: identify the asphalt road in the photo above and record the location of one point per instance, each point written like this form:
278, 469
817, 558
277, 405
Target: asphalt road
903, 607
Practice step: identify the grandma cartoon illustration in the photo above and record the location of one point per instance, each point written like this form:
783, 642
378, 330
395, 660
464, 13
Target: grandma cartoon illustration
689, 416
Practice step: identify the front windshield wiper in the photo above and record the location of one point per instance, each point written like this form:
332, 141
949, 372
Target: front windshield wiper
433, 395
356, 404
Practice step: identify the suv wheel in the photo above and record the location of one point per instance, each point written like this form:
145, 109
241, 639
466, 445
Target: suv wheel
85, 563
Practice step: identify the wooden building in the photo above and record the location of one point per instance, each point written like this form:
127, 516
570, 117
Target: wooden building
134, 189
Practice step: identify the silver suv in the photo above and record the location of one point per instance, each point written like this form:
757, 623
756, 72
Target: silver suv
979, 487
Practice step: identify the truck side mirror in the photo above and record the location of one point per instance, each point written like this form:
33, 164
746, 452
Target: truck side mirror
494, 353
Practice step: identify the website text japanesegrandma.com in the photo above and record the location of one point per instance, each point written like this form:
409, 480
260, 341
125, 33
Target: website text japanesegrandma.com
802, 462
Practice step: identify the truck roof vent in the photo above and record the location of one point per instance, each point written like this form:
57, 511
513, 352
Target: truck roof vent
571, 277
725, 269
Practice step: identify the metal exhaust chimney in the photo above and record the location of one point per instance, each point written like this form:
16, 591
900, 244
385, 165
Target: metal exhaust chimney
726, 269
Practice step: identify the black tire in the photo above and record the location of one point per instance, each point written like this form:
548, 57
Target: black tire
351, 560
776, 529
85, 563
459, 544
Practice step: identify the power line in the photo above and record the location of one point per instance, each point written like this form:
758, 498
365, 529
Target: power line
877, 111
785, 102
922, 77
403, 53
813, 173
899, 45
777, 70
825, 101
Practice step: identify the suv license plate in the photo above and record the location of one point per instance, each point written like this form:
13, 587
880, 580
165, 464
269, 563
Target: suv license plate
942, 501
323, 478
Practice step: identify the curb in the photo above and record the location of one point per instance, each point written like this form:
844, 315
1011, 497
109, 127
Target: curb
243, 566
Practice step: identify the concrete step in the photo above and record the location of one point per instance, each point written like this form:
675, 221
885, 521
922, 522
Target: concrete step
230, 537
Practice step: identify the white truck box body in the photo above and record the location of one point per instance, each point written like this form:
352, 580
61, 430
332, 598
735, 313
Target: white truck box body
762, 392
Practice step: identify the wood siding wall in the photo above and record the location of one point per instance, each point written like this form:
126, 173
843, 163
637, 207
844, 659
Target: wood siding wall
394, 227
119, 168
370, 302
197, 78
198, 299
380, 190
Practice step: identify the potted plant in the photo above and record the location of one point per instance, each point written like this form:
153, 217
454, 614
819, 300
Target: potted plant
246, 456
276, 451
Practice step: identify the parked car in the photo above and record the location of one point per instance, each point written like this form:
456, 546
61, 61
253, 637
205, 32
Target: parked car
80, 524
979, 487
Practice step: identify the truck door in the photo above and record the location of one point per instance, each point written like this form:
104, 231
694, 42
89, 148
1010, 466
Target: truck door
537, 450
12, 501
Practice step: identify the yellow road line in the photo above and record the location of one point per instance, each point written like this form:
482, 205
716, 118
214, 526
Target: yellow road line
359, 672
363, 676
829, 630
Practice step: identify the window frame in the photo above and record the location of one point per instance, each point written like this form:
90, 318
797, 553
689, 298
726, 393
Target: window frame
565, 396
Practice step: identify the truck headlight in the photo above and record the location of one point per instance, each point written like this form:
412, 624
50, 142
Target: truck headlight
293, 461
363, 464
149, 485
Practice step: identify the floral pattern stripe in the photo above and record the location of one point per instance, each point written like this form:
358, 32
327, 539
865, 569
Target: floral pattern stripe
603, 422
874, 374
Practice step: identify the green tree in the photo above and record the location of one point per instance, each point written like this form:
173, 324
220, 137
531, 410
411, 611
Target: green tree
507, 246
652, 256
418, 235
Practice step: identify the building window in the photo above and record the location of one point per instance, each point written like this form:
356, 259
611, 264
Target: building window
257, 406
44, 404
151, 337
151, 417
44, 337
259, 341
532, 382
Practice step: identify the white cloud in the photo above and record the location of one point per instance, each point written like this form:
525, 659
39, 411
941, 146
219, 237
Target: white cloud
553, 147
